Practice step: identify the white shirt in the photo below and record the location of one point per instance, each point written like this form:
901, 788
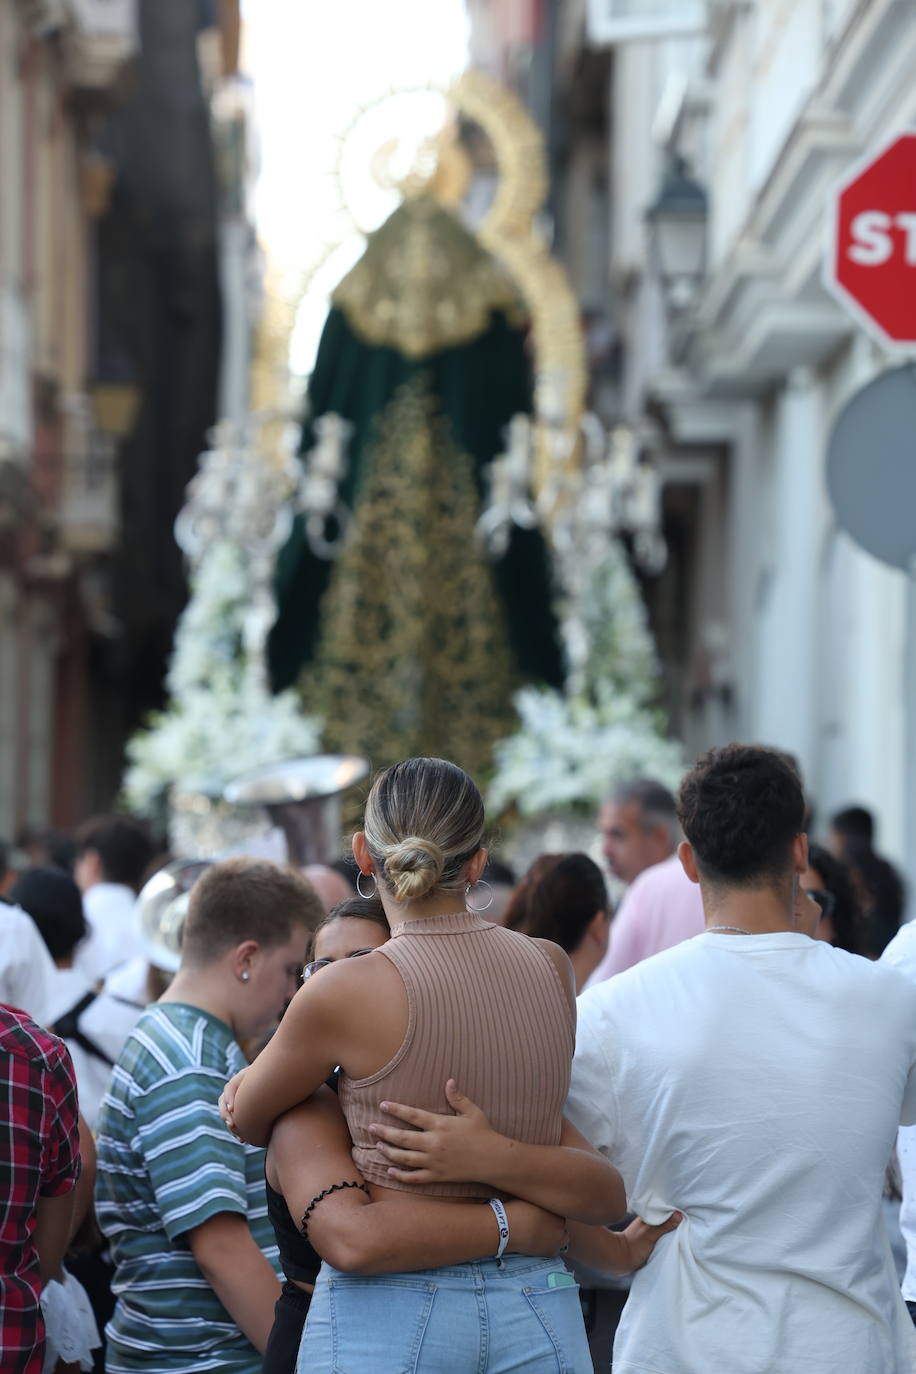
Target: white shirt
114, 930
901, 954
754, 1083
26, 967
130, 981
106, 1022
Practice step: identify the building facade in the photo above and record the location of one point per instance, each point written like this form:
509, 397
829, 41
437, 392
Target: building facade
110, 345
58, 67
773, 624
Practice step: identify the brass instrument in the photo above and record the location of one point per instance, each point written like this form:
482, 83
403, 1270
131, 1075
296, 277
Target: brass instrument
302, 797
162, 906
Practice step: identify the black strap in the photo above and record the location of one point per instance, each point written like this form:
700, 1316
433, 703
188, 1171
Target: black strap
67, 1027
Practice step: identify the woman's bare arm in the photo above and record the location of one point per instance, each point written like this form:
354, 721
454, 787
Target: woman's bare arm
295, 1061
310, 1149
618, 1252
571, 1178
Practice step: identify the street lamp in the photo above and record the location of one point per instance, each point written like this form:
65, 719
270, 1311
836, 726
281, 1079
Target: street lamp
677, 221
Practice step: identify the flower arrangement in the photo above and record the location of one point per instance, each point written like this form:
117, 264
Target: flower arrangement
572, 746
221, 719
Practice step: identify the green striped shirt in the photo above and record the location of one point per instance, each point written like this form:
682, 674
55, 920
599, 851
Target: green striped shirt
166, 1163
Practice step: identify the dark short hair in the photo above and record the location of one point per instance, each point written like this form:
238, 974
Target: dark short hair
741, 807
883, 895
656, 804
557, 898
55, 904
352, 909
855, 823
123, 845
246, 899
46, 846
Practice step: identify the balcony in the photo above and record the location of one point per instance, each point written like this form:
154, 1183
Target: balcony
99, 37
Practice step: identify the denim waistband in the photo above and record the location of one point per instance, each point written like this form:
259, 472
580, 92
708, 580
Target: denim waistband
511, 1266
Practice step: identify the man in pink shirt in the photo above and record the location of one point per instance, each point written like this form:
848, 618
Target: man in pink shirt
661, 907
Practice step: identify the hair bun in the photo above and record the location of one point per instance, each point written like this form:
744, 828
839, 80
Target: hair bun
413, 867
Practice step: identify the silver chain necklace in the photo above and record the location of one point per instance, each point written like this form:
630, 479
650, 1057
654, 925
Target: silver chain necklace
730, 930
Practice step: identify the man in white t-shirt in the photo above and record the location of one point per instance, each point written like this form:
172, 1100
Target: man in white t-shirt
112, 854
26, 968
753, 1079
901, 954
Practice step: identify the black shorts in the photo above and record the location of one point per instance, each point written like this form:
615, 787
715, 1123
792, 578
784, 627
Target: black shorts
290, 1312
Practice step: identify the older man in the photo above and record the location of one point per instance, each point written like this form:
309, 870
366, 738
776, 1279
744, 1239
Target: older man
638, 827
753, 1079
661, 906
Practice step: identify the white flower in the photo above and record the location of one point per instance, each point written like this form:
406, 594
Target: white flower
221, 719
571, 748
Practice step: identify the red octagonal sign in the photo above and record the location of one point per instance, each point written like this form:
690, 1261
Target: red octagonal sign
871, 262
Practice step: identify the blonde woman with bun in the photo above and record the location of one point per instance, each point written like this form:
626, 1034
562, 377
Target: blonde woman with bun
457, 1017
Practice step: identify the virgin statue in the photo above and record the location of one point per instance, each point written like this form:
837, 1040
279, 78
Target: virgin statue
412, 639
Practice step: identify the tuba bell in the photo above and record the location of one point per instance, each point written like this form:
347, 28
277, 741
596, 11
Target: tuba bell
302, 797
162, 907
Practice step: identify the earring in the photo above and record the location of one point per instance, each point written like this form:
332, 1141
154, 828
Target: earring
244, 975
366, 895
481, 882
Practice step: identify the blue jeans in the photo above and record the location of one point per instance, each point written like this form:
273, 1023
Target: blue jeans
466, 1319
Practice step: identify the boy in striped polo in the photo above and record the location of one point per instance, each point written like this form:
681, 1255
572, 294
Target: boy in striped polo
181, 1201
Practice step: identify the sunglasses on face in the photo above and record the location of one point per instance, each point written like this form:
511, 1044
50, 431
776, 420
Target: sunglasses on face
825, 900
311, 969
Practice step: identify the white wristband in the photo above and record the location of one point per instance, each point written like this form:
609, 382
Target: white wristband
502, 1222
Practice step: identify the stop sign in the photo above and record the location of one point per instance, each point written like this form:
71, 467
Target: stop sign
871, 261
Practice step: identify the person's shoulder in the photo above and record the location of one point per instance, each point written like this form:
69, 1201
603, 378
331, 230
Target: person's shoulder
889, 981
171, 1038
604, 997
901, 951
19, 931
23, 1038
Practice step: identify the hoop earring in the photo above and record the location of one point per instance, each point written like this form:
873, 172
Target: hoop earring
481, 882
366, 895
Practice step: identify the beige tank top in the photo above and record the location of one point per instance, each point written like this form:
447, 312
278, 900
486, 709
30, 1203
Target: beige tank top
487, 1007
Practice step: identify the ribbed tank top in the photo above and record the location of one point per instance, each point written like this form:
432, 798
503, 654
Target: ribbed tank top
487, 1007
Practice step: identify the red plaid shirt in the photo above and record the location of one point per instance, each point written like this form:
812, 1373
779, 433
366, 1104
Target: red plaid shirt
39, 1157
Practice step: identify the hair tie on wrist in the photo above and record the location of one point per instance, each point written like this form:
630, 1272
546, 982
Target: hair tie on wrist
502, 1222
326, 1192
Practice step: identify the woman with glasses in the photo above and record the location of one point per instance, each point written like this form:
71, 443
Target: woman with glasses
827, 880
449, 999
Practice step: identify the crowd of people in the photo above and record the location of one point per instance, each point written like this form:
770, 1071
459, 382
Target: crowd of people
356, 1123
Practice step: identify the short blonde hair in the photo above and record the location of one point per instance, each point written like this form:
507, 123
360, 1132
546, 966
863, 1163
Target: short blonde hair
424, 820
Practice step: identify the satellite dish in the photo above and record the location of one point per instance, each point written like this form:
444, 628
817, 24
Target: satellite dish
871, 467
